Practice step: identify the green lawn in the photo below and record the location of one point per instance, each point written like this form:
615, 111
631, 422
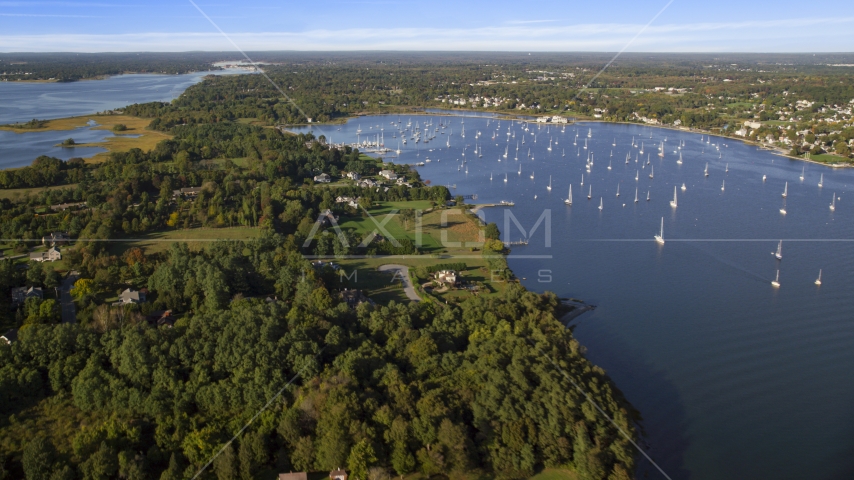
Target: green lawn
195, 237
458, 228
14, 193
826, 158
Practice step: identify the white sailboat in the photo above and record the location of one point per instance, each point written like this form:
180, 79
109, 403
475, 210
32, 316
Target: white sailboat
636, 194
776, 282
679, 162
637, 172
505, 177
783, 209
615, 142
520, 170
661, 150
609, 164
786, 190
590, 193
726, 170
833, 203
549, 188
660, 237
550, 145
506, 149
490, 176
618, 189
821, 181
600, 203
568, 200
779, 253
706, 171
589, 132
673, 202
723, 185
582, 179
803, 170
684, 187
818, 280
764, 177
651, 170
647, 195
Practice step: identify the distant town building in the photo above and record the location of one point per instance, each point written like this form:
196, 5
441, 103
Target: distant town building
753, 125
353, 176
322, 178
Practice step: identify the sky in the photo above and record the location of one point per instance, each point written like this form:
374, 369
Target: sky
498, 25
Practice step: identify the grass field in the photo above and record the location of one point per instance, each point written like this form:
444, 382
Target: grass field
196, 238
121, 142
444, 240
826, 158
14, 193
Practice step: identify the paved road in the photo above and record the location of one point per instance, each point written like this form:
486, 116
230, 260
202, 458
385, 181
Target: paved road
69, 312
402, 272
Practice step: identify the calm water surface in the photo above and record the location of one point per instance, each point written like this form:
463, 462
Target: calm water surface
735, 379
22, 102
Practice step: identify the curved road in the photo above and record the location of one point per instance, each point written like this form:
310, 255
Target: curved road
404, 275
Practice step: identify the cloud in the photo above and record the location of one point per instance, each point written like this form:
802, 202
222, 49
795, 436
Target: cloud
766, 36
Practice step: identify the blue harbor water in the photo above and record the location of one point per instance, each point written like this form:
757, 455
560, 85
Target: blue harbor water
734, 378
24, 101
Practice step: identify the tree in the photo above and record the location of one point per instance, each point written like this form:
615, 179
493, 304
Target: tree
102, 465
83, 288
303, 454
402, 459
173, 471
38, 458
252, 454
361, 457
51, 278
35, 274
225, 464
491, 231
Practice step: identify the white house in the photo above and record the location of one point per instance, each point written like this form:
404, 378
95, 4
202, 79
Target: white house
131, 296
51, 255
353, 176
753, 125
322, 178
388, 174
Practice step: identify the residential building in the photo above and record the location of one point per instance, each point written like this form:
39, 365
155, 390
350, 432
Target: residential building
55, 238
338, 475
9, 337
322, 178
293, 476
353, 176
52, 255
187, 192
131, 296
447, 277
21, 294
388, 174
354, 298
753, 125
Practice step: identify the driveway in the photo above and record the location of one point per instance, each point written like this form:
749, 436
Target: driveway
69, 312
404, 275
